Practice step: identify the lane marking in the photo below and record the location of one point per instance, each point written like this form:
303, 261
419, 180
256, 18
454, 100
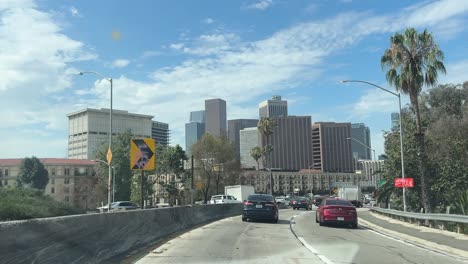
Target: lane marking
315, 251
307, 245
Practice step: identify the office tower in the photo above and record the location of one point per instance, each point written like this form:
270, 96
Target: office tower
194, 130
360, 132
236, 125
248, 138
89, 128
331, 150
275, 107
197, 116
215, 117
160, 133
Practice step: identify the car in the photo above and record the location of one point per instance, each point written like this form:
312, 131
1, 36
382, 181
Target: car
280, 199
260, 207
317, 200
292, 201
119, 206
337, 211
221, 199
356, 203
302, 202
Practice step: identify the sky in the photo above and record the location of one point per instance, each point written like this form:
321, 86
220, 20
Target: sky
167, 57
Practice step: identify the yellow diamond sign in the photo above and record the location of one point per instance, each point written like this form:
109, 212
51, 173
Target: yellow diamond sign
109, 156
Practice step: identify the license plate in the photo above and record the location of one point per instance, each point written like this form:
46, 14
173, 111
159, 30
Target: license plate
259, 206
340, 218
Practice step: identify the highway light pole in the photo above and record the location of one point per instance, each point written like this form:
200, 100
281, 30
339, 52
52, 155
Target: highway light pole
109, 151
401, 130
373, 150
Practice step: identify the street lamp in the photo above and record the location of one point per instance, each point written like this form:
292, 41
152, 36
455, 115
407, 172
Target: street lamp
113, 177
109, 152
362, 144
401, 131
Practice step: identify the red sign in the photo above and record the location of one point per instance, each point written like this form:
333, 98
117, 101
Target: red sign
404, 183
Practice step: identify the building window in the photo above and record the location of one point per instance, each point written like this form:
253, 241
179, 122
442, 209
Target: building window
77, 181
1, 173
52, 190
6, 172
67, 198
5, 182
52, 181
66, 181
66, 189
66, 171
52, 171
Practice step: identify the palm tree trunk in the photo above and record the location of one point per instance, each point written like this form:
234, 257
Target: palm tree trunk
421, 152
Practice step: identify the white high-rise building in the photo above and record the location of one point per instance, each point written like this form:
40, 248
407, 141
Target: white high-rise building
88, 129
248, 139
273, 108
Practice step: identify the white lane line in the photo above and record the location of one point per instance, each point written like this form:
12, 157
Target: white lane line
314, 251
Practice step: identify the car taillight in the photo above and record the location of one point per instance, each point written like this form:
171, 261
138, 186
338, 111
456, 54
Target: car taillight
248, 203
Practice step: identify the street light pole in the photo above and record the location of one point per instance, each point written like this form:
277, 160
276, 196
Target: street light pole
401, 131
110, 135
362, 144
113, 177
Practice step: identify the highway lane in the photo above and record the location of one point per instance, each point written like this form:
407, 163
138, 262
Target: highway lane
346, 245
235, 242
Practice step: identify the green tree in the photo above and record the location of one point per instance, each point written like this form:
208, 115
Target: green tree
266, 127
33, 173
135, 194
212, 156
121, 163
256, 154
414, 60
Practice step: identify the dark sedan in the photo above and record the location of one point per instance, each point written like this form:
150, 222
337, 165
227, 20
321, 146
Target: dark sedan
302, 202
337, 211
356, 203
260, 207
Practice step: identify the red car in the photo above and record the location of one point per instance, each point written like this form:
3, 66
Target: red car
336, 211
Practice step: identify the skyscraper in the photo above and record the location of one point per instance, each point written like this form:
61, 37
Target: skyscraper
236, 125
331, 150
292, 143
273, 108
215, 117
160, 133
395, 121
248, 138
360, 132
194, 130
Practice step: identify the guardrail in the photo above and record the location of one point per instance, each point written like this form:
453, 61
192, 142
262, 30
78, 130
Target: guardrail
432, 220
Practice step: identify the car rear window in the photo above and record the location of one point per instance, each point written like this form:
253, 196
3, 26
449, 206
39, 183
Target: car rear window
260, 198
337, 202
216, 197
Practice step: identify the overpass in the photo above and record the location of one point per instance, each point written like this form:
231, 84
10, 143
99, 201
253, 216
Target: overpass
216, 234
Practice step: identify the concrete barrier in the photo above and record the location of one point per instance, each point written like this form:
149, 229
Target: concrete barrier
97, 238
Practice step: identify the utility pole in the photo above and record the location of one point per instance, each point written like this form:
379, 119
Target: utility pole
142, 199
191, 184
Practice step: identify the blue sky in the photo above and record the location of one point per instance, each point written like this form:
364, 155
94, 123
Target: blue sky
167, 57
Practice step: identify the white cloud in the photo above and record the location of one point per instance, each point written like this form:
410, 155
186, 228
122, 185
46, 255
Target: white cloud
150, 53
456, 73
260, 5
120, 63
208, 21
74, 12
176, 46
34, 65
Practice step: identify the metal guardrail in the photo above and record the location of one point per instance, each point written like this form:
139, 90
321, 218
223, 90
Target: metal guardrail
459, 220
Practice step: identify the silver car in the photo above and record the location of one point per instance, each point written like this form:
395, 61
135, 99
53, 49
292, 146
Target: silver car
119, 206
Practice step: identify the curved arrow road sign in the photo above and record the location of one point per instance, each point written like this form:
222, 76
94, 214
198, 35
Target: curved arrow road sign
142, 154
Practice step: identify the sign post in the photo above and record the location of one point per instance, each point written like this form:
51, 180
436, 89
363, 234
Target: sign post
142, 157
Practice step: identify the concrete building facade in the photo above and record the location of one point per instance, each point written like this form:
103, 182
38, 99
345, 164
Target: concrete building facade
248, 139
215, 117
372, 170
331, 149
160, 133
194, 131
70, 180
88, 129
292, 144
361, 133
234, 128
275, 107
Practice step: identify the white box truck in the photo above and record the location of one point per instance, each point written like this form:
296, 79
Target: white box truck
241, 192
350, 193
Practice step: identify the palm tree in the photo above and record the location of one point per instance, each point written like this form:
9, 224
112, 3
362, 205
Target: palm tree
256, 154
414, 60
266, 126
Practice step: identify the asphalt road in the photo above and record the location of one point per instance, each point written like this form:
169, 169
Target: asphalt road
236, 242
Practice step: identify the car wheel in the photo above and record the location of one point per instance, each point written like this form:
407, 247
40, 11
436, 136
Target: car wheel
244, 219
354, 225
321, 223
275, 221
316, 219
